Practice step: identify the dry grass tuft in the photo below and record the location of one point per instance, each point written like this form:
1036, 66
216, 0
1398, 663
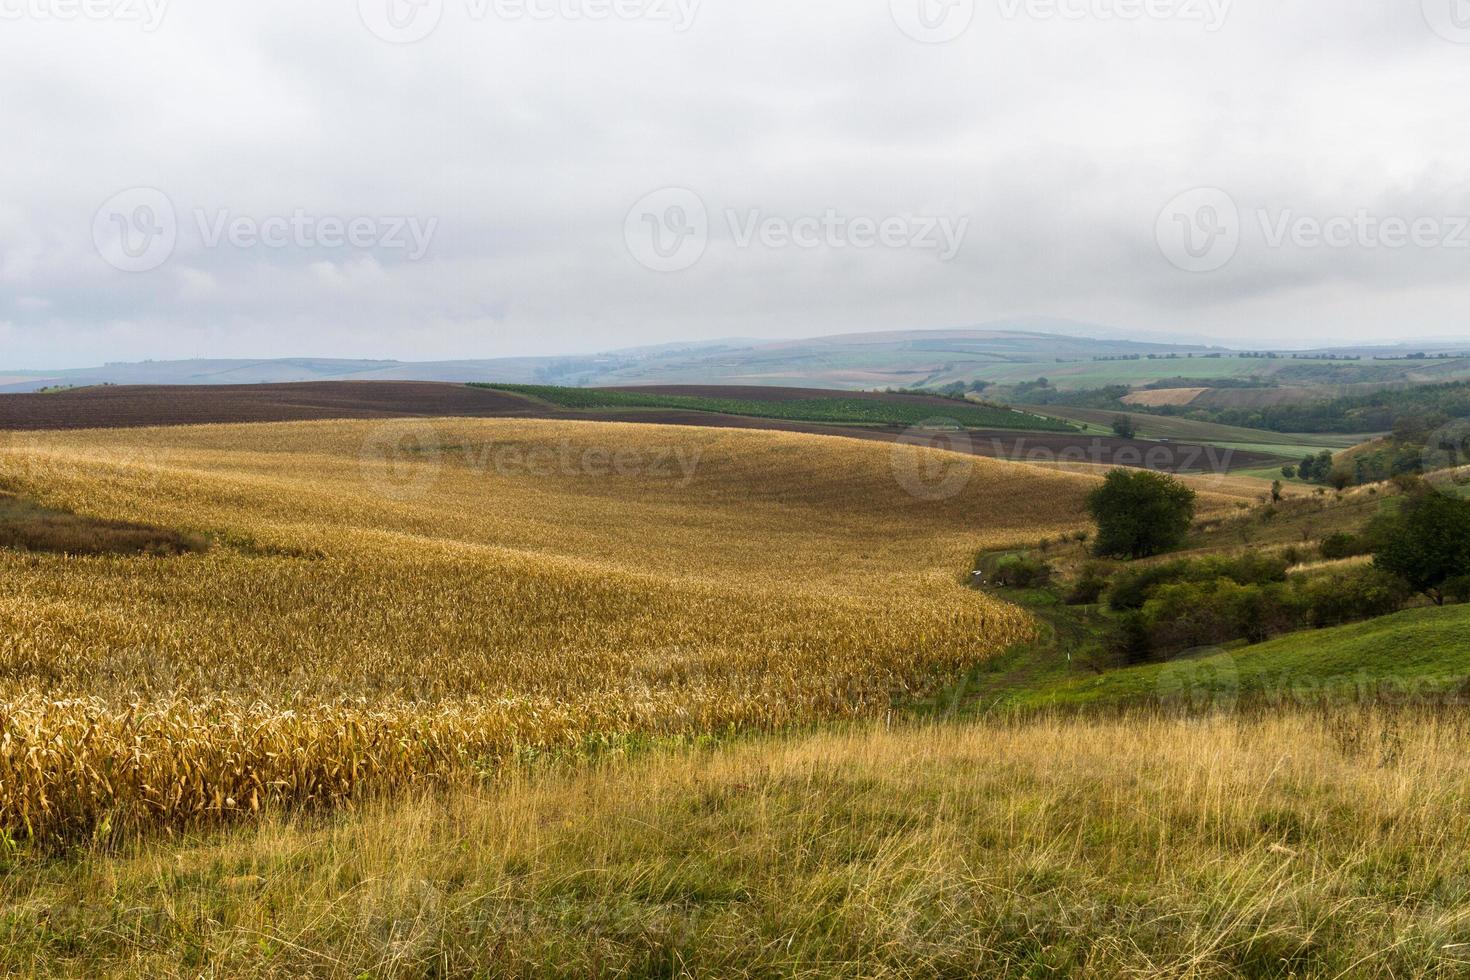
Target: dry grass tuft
1299, 846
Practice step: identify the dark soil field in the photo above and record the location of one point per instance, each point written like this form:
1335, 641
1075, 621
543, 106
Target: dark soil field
138, 406
130, 406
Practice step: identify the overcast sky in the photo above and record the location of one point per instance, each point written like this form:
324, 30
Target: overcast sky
425, 179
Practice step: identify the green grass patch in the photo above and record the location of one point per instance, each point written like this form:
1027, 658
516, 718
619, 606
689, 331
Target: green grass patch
838, 410
1420, 653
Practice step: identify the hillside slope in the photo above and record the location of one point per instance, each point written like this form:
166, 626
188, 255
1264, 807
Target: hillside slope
418, 599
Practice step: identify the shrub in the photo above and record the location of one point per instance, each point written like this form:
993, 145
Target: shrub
1023, 573
1184, 615
1130, 641
1140, 513
1134, 587
1427, 543
1131, 588
1343, 545
1089, 587
1458, 588
1349, 596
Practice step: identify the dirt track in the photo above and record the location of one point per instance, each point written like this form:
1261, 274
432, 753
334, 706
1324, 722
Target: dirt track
137, 406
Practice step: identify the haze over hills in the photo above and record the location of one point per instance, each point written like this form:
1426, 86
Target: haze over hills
1069, 354
894, 358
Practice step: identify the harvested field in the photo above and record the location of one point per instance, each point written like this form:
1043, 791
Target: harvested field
1164, 397
399, 604
134, 407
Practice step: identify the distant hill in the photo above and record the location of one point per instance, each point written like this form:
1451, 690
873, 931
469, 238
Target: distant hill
1071, 355
849, 361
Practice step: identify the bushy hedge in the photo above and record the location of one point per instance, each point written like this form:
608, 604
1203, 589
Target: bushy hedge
1132, 588
1207, 602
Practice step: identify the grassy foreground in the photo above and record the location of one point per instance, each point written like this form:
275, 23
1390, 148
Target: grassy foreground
1300, 845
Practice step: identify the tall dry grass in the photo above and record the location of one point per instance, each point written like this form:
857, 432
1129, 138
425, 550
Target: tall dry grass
1305, 845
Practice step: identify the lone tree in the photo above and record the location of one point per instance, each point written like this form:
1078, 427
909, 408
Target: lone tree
1140, 513
1124, 428
1427, 543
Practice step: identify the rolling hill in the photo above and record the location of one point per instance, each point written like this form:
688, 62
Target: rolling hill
391, 604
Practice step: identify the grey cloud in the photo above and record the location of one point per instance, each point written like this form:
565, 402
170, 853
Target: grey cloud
529, 141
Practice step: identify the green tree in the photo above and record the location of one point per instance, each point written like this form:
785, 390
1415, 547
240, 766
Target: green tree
1140, 513
1427, 543
1124, 428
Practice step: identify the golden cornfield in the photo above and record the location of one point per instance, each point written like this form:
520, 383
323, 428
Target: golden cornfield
393, 604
